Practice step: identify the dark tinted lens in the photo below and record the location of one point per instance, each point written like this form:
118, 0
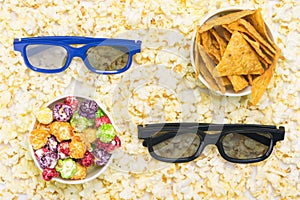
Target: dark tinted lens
246, 145
46, 56
175, 146
108, 58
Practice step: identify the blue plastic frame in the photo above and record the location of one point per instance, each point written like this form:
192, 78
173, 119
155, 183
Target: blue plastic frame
133, 47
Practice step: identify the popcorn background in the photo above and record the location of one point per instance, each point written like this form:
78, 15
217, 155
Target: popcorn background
160, 86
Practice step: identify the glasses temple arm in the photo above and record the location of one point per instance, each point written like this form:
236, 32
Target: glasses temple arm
264, 140
258, 138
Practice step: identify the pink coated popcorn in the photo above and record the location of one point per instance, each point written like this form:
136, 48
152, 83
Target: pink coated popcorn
102, 120
116, 142
63, 150
87, 160
109, 147
72, 102
48, 174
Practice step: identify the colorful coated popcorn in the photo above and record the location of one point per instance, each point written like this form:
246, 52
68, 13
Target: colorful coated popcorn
80, 173
116, 142
38, 138
102, 120
44, 116
78, 122
40, 152
106, 133
62, 112
77, 148
101, 156
42, 126
64, 150
48, 160
72, 102
89, 135
61, 130
52, 144
99, 113
88, 109
109, 147
48, 174
66, 167
79, 136
87, 160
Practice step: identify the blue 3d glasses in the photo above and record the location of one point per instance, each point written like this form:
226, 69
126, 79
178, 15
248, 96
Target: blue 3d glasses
53, 54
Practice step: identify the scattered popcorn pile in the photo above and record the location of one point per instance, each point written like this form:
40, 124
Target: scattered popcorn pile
160, 86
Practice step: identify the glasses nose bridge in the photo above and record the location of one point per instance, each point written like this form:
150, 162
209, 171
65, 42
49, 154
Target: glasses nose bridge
77, 52
211, 138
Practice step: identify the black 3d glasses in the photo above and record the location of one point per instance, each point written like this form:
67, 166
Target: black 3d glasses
184, 142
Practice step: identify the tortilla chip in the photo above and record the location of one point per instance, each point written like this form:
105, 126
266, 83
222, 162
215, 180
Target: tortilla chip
225, 81
250, 79
256, 35
256, 46
210, 66
260, 83
239, 59
222, 45
238, 82
227, 35
196, 53
210, 46
258, 23
236, 26
200, 67
226, 19
224, 33
226, 27
221, 42
198, 38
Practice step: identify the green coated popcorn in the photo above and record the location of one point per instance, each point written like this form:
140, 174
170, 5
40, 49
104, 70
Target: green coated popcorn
106, 133
66, 167
99, 113
79, 123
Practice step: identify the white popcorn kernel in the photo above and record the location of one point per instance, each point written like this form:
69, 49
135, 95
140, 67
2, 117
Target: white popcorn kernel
5, 97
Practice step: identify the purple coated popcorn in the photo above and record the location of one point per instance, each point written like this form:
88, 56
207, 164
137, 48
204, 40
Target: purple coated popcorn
52, 144
101, 156
48, 160
88, 109
62, 112
40, 152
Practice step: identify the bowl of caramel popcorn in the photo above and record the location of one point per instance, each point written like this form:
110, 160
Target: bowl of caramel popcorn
72, 140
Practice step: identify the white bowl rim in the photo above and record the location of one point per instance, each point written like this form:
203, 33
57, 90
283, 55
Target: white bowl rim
245, 91
66, 181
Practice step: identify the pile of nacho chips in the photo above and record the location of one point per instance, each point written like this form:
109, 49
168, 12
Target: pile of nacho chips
234, 51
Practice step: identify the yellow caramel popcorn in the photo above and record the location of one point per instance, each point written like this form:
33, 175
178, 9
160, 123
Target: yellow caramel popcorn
61, 130
77, 148
80, 173
38, 138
